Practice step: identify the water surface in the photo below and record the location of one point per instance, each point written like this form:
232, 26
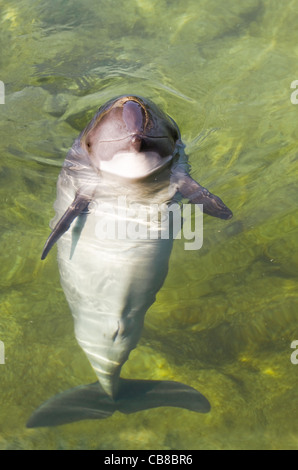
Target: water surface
226, 317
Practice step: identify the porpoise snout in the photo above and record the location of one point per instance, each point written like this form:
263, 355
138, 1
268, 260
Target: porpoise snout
136, 142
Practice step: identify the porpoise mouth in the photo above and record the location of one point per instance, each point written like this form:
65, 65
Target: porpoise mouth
135, 136
135, 165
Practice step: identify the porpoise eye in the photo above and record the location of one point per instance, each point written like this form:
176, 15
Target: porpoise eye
175, 135
88, 144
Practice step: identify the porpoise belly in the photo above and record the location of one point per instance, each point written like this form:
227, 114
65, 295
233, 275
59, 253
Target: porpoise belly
109, 285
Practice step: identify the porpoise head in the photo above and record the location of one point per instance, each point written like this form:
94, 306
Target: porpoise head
130, 137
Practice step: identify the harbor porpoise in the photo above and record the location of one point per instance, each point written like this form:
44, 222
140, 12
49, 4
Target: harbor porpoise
131, 151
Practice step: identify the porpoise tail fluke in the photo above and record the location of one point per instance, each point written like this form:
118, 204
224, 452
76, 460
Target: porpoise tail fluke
91, 402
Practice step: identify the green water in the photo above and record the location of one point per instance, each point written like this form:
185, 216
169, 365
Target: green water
227, 314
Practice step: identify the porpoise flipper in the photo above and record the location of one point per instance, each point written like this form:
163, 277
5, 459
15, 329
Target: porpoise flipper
79, 204
197, 194
91, 402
